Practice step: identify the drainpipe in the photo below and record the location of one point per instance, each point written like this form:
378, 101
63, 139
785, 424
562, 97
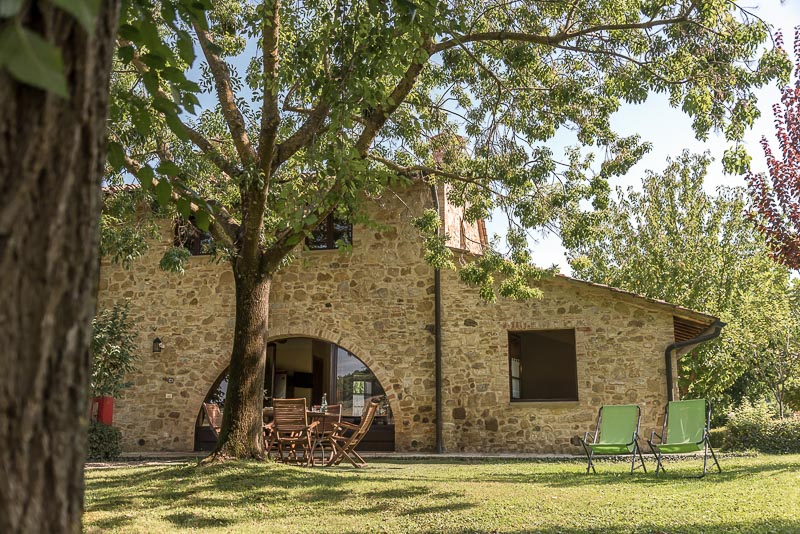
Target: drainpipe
717, 326
437, 332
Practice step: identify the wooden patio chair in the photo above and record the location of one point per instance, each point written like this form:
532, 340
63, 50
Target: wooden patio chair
268, 427
291, 431
344, 446
214, 416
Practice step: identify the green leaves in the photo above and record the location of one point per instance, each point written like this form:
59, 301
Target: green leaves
186, 47
32, 60
437, 253
146, 176
202, 219
113, 350
675, 242
116, 156
481, 114
736, 160
174, 123
9, 8
184, 207
174, 260
163, 192
168, 168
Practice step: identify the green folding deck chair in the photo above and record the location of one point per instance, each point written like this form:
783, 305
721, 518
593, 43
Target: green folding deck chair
686, 425
616, 432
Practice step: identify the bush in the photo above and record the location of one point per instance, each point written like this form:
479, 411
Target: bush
792, 394
104, 442
717, 437
113, 351
752, 426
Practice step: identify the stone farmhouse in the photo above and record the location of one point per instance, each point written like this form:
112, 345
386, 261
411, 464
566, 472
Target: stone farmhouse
512, 376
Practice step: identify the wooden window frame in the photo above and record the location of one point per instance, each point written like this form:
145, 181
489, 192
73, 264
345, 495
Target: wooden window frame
330, 236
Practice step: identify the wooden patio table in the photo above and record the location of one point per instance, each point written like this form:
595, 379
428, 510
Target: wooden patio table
323, 430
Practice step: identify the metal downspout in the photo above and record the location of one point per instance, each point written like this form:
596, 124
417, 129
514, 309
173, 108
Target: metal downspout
717, 326
437, 332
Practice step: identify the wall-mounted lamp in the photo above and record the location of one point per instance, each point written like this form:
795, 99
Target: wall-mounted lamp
157, 345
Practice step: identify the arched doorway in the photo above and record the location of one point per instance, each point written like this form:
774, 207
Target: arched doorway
301, 367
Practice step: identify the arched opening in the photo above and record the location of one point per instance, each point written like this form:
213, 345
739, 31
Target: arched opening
302, 367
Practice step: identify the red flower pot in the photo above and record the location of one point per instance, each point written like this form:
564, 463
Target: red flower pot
102, 410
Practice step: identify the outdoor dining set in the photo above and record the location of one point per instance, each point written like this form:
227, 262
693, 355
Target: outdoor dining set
296, 434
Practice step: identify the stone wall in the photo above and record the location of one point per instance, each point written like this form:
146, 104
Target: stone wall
193, 316
620, 344
377, 302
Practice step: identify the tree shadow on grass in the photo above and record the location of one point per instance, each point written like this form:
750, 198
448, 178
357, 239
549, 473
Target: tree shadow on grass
216, 487
438, 508
110, 504
247, 478
192, 520
573, 474
399, 492
399, 487
110, 523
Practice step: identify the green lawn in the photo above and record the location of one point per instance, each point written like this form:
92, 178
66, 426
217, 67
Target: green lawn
753, 494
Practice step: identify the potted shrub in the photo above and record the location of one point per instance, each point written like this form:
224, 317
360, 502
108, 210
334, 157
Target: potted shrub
113, 353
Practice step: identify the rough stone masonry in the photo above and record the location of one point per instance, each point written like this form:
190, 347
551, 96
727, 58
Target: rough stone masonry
378, 303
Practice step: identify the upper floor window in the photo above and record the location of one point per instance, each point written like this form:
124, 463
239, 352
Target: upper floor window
188, 236
329, 233
543, 365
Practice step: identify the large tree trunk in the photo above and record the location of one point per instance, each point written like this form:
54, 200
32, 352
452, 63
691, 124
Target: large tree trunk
241, 434
52, 152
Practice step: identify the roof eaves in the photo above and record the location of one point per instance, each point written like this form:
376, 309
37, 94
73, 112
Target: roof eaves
677, 310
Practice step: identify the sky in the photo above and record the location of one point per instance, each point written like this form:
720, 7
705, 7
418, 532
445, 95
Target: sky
670, 132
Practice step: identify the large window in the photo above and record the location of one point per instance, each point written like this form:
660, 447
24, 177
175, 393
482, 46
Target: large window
332, 231
542, 365
356, 386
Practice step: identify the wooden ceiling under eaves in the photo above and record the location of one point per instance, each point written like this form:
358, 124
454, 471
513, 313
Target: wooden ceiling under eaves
686, 329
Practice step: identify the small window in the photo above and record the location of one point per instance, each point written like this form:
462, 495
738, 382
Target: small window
542, 365
188, 236
329, 233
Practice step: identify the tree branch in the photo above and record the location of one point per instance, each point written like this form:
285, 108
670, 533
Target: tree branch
419, 171
270, 115
611, 53
378, 116
223, 227
194, 136
303, 137
230, 111
551, 40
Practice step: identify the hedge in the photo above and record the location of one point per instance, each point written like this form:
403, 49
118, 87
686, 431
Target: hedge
717, 437
104, 442
754, 428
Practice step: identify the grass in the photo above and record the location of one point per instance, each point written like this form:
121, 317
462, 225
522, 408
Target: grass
753, 494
